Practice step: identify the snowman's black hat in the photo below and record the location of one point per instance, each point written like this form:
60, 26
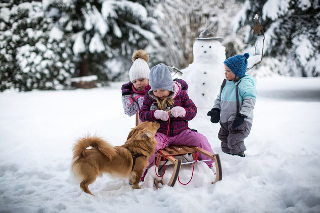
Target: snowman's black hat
208, 34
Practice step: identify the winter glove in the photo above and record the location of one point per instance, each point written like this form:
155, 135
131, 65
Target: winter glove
127, 88
178, 111
215, 115
162, 115
184, 85
238, 121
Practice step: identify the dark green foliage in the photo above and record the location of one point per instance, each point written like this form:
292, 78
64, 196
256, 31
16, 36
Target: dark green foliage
71, 18
296, 25
30, 59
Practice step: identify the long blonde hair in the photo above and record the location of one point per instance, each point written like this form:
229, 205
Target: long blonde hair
163, 104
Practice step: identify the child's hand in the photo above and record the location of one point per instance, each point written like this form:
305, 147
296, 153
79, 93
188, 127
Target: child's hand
215, 115
238, 121
126, 89
178, 111
162, 115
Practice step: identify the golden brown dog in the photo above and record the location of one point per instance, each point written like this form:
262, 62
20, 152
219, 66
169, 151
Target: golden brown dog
128, 160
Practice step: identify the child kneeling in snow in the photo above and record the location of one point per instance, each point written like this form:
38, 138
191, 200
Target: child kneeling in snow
234, 105
164, 95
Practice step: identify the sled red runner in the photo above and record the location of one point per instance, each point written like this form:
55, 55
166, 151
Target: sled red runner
169, 154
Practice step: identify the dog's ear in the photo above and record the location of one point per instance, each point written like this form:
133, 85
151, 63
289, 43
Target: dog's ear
132, 132
145, 134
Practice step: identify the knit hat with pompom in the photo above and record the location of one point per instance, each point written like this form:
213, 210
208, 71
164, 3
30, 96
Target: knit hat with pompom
139, 68
238, 64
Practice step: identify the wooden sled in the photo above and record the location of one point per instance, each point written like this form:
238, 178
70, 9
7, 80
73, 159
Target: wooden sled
169, 152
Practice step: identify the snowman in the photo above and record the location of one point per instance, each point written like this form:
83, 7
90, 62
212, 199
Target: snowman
206, 73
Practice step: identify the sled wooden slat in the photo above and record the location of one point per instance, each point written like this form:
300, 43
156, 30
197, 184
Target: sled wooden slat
188, 149
169, 152
168, 157
177, 149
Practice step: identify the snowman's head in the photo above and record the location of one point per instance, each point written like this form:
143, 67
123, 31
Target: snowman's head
208, 52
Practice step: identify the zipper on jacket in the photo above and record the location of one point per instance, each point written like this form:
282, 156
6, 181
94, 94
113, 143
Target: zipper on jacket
171, 129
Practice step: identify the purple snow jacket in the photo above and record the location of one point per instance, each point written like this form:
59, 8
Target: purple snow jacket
177, 125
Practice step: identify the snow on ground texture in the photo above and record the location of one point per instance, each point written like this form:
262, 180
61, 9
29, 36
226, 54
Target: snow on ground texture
280, 173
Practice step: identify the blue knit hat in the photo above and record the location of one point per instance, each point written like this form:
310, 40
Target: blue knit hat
238, 64
160, 78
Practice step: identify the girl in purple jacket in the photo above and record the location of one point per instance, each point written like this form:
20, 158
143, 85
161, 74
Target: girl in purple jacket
133, 92
164, 95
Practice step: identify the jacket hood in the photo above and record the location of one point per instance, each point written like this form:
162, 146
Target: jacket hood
249, 78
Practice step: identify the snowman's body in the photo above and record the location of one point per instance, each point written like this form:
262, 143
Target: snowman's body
205, 75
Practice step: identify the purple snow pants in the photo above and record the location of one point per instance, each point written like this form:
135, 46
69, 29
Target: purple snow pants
186, 138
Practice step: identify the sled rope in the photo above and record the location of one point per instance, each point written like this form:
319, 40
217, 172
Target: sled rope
164, 165
195, 160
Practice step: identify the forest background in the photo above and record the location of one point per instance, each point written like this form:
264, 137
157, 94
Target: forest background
45, 44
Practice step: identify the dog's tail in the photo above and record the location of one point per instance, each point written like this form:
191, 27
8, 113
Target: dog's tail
95, 142
83, 170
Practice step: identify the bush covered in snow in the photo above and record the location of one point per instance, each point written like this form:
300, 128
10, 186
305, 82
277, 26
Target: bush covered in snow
34, 54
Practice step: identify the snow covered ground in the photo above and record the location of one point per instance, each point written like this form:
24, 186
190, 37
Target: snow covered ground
281, 172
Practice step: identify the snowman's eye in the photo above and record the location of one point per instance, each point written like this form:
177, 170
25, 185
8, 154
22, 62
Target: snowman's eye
201, 46
209, 46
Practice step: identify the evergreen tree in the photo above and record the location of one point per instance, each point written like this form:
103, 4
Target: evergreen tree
102, 31
180, 22
34, 54
291, 33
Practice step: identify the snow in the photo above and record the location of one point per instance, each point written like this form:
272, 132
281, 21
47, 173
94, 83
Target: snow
5, 14
136, 8
304, 4
99, 22
253, 59
279, 174
79, 46
85, 78
147, 34
116, 30
274, 8
56, 33
96, 44
94, 18
240, 17
304, 49
108, 10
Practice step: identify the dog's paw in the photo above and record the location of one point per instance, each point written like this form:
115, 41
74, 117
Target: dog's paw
158, 183
135, 186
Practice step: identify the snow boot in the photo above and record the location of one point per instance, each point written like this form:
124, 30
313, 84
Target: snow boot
241, 154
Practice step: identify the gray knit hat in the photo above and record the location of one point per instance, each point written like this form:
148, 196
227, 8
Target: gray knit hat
160, 78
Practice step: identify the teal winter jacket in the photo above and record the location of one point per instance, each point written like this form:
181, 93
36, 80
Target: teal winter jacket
227, 103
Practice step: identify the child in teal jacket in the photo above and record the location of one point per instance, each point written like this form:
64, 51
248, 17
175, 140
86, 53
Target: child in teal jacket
234, 105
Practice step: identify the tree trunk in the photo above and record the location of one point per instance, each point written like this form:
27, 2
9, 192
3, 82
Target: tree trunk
83, 66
